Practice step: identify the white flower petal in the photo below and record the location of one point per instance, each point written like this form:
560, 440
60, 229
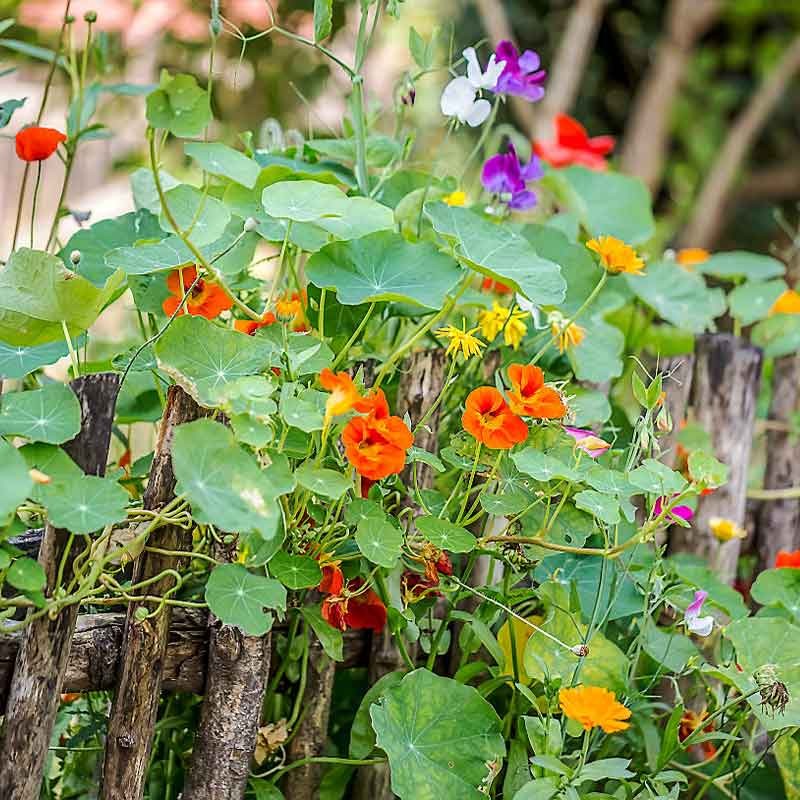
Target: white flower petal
474, 75
478, 113
457, 98
701, 626
493, 71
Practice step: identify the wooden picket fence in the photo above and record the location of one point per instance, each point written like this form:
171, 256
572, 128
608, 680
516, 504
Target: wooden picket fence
191, 651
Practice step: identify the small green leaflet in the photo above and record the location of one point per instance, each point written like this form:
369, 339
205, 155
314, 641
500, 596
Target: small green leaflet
51, 414
7, 109
323, 482
15, 482
219, 159
179, 105
238, 597
602, 506
379, 541
330, 638
84, 503
323, 19
26, 575
445, 534
302, 408
295, 572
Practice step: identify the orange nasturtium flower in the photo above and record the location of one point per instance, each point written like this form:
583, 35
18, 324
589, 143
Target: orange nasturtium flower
207, 299
376, 444
489, 419
291, 308
250, 326
344, 394
529, 397
787, 303
593, 707
354, 607
787, 559
37, 144
616, 256
689, 256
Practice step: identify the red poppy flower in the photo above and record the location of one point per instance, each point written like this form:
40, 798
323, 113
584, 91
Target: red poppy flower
354, 607
786, 559
250, 326
489, 419
207, 299
529, 397
573, 145
38, 144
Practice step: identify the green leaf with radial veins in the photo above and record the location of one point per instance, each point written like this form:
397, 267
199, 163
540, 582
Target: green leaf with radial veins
443, 740
204, 358
384, 267
379, 542
779, 588
85, 503
324, 482
219, 159
540, 466
599, 505
445, 534
499, 252
752, 301
238, 597
323, 19
295, 572
15, 482
51, 414
16, 361
202, 218
27, 575
52, 461
38, 293
225, 485
741, 264
179, 105
778, 335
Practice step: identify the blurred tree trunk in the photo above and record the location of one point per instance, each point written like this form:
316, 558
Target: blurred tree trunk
709, 210
647, 134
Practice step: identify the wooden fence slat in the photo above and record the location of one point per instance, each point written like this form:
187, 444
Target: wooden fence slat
678, 389
135, 706
779, 520
236, 678
42, 658
726, 381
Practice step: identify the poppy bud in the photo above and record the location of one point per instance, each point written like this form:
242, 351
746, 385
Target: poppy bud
75, 257
90, 16
69, 19
250, 224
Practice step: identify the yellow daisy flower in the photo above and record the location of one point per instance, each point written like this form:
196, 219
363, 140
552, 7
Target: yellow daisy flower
461, 340
506, 320
726, 529
565, 334
456, 198
616, 256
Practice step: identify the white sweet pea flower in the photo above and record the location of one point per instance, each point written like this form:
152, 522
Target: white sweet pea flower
701, 626
458, 100
479, 79
530, 307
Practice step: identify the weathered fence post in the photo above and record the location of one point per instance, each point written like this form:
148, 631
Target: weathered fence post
678, 373
135, 707
41, 662
236, 677
779, 519
726, 380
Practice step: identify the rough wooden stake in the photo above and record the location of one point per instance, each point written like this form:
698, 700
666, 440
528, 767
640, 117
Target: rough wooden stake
678, 373
238, 668
41, 662
779, 520
726, 380
309, 740
135, 707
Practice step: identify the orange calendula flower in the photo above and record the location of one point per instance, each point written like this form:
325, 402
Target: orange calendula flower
206, 299
616, 256
489, 419
726, 529
565, 334
344, 394
689, 256
250, 326
37, 144
593, 707
787, 303
529, 397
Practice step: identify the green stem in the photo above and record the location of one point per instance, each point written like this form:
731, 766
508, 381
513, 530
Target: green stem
35, 197
352, 340
73, 356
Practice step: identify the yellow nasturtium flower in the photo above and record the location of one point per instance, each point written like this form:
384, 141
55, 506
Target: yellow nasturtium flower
726, 529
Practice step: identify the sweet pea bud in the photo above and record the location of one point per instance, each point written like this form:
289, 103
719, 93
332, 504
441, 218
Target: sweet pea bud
90, 16
580, 650
664, 420
75, 257
250, 224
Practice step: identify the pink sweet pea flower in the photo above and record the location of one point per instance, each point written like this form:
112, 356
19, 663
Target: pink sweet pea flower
588, 441
701, 626
521, 75
506, 176
684, 512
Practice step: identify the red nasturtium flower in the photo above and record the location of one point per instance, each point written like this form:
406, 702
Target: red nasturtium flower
207, 299
354, 607
489, 419
787, 559
37, 144
376, 444
573, 145
344, 394
250, 326
690, 722
529, 397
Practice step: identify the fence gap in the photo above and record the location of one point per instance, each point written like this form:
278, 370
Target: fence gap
41, 661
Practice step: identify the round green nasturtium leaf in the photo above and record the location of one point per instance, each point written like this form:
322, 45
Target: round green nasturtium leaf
15, 482
51, 414
379, 542
778, 335
179, 105
752, 301
203, 358
656, 478
384, 267
740, 264
302, 408
323, 482
360, 509
52, 461
295, 572
219, 159
779, 588
589, 406
443, 740
16, 361
604, 507
541, 466
707, 470
225, 485
238, 597
499, 252
303, 201
202, 218
84, 503
445, 534
27, 575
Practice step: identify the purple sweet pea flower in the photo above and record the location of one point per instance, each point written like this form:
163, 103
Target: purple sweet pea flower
588, 441
684, 512
521, 75
504, 175
702, 626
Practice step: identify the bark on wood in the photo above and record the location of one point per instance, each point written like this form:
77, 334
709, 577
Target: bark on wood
96, 654
726, 380
569, 64
43, 655
709, 210
647, 135
773, 182
678, 373
238, 668
135, 707
779, 520
309, 740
